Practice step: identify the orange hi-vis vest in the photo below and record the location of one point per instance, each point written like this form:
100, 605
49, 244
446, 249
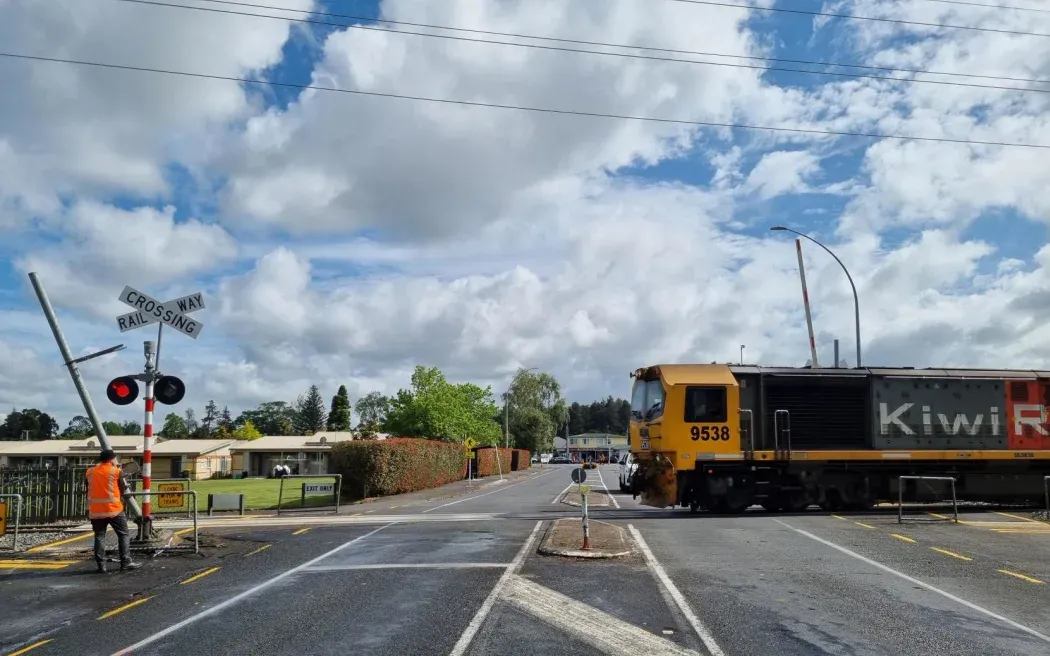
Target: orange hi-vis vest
103, 486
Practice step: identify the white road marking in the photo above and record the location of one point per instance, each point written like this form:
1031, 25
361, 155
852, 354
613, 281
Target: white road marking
341, 568
330, 520
562, 494
679, 599
478, 496
915, 581
607, 492
486, 607
597, 628
247, 593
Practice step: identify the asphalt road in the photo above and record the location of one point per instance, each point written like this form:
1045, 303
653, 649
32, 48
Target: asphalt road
468, 581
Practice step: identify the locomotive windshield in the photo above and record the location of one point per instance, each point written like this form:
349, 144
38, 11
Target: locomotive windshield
647, 400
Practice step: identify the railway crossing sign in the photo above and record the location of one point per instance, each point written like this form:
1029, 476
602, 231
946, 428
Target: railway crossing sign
148, 311
579, 475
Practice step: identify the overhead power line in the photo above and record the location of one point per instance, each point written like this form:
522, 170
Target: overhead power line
603, 44
989, 6
536, 46
898, 21
525, 108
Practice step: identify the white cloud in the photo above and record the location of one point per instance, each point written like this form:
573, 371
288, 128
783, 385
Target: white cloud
499, 239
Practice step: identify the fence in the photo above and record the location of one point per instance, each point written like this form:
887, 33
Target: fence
48, 495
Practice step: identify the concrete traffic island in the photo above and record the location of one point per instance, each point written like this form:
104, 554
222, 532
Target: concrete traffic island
595, 498
564, 537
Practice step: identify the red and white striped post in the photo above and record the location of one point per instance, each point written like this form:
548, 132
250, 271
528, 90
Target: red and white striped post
147, 442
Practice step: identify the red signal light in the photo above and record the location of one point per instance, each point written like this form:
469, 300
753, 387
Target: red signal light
123, 390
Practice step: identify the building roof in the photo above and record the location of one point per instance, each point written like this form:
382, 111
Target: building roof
190, 447
318, 442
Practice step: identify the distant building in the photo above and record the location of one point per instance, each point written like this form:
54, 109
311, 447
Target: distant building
592, 445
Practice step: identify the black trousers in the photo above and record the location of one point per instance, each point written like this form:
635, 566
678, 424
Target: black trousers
120, 527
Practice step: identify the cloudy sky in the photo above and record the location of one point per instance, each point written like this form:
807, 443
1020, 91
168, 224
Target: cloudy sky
344, 238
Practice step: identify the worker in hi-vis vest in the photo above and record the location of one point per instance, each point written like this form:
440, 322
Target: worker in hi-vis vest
105, 489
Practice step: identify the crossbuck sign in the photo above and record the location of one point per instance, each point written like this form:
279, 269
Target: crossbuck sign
149, 311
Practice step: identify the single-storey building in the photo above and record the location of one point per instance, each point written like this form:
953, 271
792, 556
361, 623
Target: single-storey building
592, 445
303, 454
194, 459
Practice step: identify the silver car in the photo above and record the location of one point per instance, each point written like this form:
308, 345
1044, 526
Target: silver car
627, 467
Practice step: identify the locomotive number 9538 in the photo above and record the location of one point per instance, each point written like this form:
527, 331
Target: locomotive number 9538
709, 433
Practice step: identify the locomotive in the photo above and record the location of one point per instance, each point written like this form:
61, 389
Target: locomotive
727, 437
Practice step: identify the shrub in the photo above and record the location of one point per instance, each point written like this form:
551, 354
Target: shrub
487, 465
522, 459
396, 466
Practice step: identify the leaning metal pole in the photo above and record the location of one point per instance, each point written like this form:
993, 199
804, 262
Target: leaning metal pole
67, 357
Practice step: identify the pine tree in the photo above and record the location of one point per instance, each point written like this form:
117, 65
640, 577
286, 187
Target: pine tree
339, 416
225, 422
211, 415
310, 414
191, 424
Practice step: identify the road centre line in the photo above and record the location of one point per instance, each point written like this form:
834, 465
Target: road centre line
262, 548
1021, 576
915, 581
301, 531
197, 577
125, 607
468, 634
607, 492
349, 568
903, 537
951, 553
247, 593
679, 600
26, 650
499, 489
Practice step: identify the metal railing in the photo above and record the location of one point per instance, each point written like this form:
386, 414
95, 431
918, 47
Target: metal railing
338, 478
192, 512
18, 517
777, 429
900, 494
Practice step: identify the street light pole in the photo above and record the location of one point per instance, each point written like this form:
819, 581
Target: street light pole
856, 299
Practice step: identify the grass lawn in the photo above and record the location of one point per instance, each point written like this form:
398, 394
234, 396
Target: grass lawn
261, 493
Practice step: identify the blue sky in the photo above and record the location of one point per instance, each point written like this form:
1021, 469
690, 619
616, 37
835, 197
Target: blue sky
487, 255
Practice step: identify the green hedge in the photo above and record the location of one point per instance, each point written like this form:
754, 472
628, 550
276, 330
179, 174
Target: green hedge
395, 466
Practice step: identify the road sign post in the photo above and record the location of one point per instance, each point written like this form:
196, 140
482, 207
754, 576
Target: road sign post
579, 475
148, 311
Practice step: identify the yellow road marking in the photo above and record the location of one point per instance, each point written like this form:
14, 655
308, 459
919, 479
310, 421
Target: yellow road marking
842, 518
58, 543
950, 553
197, 577
262, 548
301, 531
369, 511
36, 564
30, 647
863, 524
901, 537
1021, 576
184, 530
355, 514
125, 607
392, 507
1023, 519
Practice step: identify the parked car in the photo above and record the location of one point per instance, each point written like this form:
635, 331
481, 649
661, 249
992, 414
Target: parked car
627, 467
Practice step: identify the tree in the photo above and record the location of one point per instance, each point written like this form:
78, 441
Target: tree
270, 418
246, 431
225, 422
371, 409
210, 419
174, 427
339, 417
112, 428
39, 425
436, 409
132, 428
310, 414
609, 416
79, 426
537, 410
191, 425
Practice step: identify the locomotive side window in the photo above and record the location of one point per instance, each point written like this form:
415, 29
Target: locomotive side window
705, 405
